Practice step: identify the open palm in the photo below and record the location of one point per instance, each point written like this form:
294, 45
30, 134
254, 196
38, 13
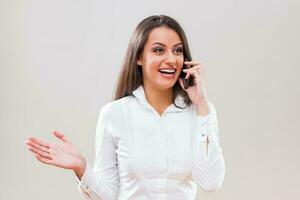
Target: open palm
64, 155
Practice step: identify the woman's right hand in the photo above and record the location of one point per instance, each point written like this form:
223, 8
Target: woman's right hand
64, 155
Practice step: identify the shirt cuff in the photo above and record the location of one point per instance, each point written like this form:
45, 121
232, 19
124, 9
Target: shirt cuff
86, 182
202, 119
207, 129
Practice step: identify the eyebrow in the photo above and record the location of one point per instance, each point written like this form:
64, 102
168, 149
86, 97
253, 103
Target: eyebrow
180, 43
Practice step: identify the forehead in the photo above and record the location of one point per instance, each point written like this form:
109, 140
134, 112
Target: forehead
163, 35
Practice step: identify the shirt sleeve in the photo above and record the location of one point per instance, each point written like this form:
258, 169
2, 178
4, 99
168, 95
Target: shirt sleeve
101, 182
209, 166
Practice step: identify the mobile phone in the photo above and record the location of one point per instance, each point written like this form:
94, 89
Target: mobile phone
186, 82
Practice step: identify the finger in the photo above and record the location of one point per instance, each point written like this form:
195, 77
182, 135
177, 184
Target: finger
43, 160
197, 67
40, 142
37, 146
181, 83
188, 73
193, 62
192, 71
35, 154
39, 152
60, 136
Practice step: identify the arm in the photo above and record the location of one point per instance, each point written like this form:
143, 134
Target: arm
101, 182
209, 166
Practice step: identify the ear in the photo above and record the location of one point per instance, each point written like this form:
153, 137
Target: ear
139, 62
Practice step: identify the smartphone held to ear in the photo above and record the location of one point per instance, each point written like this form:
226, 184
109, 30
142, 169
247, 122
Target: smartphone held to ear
186, 82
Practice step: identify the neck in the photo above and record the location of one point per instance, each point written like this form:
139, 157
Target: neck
159, 99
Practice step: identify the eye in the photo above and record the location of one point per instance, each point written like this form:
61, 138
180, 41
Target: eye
179, 50
157, 50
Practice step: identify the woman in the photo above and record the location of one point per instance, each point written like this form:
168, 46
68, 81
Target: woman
158, 139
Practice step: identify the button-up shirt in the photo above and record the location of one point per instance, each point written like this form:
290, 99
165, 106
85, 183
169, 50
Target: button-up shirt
141, 155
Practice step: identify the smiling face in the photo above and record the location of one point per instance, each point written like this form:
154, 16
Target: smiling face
162, 58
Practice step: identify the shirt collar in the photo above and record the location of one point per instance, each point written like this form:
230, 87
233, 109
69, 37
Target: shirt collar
139, 93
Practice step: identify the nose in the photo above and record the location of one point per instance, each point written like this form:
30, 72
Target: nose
170, 59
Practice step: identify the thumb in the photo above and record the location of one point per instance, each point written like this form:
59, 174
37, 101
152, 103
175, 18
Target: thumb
60, 136
181, 83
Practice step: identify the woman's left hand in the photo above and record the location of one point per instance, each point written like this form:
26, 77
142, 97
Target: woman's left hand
196, 93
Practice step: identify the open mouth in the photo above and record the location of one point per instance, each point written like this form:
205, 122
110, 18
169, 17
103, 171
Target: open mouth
167, 71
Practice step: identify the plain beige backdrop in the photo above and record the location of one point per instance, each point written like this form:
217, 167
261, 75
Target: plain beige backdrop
59, 61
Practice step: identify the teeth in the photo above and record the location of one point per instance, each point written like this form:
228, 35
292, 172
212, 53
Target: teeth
167, 70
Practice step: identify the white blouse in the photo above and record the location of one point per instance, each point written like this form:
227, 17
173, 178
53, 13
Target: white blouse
141, 155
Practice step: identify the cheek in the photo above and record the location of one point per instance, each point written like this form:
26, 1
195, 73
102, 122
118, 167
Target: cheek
180, 60
154, 61
180, 63
152, 64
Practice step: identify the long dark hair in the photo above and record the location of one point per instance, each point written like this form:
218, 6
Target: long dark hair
131, 76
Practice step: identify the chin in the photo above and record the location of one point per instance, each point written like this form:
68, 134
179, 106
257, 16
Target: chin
165, 86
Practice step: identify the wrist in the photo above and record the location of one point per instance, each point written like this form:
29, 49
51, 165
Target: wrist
202, 107
201, 103
80, 168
